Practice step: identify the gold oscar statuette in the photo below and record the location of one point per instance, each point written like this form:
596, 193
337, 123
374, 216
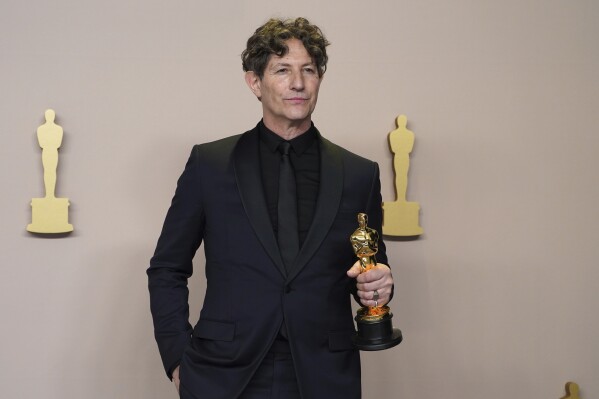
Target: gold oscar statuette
375, 329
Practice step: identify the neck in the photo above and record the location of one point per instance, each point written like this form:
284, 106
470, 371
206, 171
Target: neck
288, 131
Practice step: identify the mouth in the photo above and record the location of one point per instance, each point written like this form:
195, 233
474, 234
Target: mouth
296, 100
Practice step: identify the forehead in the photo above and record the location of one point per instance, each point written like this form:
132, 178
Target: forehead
296, 54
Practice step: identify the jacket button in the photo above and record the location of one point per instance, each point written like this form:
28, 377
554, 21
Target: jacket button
287, 289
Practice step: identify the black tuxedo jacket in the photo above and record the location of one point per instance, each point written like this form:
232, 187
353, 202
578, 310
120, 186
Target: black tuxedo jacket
220, 200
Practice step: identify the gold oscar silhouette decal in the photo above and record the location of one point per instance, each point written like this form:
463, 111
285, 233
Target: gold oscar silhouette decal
571, 391
401, 216
50, 214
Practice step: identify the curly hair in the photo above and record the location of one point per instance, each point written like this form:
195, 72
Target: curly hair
270, 39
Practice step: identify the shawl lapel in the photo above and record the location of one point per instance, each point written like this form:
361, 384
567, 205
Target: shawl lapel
329, 198
249, 183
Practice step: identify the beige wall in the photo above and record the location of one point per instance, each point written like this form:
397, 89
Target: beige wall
498, 299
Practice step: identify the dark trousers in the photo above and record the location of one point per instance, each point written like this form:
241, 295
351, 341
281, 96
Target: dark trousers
275, 378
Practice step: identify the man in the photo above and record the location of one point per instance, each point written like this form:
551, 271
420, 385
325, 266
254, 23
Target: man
275, 207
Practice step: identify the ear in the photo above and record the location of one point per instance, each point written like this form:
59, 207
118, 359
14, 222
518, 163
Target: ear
253, 81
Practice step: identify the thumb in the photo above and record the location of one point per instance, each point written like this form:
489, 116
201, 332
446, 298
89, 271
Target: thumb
355, 270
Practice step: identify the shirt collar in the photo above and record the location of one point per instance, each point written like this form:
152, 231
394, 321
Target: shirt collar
299, 144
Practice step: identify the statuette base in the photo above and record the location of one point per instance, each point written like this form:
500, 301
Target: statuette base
375, 334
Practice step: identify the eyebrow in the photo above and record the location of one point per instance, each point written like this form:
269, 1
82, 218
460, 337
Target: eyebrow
286, 64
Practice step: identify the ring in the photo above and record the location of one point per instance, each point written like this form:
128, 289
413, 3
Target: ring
375, 296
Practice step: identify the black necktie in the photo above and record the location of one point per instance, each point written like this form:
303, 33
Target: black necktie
288, 236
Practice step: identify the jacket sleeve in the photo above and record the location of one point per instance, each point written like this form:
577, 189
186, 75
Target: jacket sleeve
374, 210
375, 219
171, 266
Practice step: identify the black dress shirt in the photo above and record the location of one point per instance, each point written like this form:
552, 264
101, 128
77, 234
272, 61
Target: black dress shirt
305, 158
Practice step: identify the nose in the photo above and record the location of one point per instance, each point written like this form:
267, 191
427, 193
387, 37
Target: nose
297, 81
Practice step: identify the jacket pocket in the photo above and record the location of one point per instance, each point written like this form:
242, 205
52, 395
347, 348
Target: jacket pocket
341, 341
214, 330
214, 343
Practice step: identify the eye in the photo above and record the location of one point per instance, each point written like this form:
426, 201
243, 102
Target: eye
281, 70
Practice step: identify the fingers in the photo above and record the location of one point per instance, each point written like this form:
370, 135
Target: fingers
368, 298
377, 279
176, 378
371, 275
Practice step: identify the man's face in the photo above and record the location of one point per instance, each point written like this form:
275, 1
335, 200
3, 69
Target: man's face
288, 90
